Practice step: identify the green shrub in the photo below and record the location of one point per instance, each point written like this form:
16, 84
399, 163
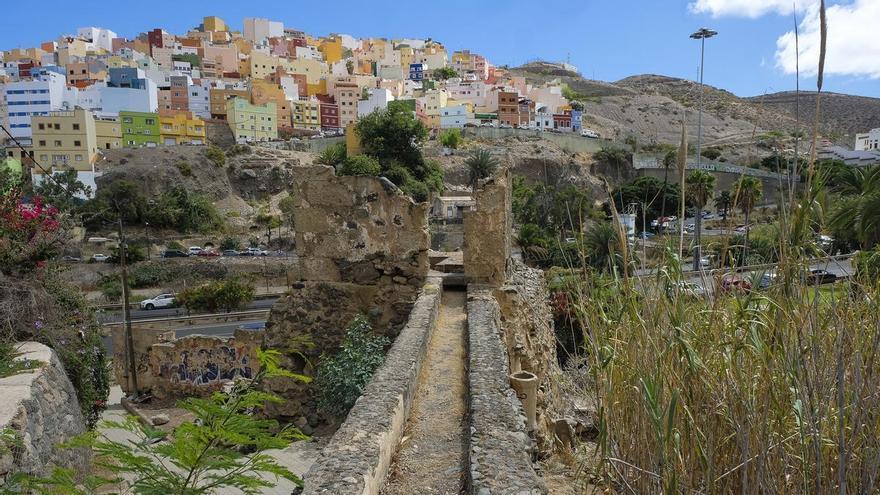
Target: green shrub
333, 155
238, 149
711, 153
185, 169
216, 155
417, 190
229, 243
233, 214
360, 165
227, 295
450, 138
111, 288
341, 379
176, 246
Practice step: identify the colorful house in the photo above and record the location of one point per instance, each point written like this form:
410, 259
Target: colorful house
250, 122
140, 129
65, 140
307, 115
182, 128
108, 133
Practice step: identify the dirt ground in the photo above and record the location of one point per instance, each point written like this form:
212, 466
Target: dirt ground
432, 455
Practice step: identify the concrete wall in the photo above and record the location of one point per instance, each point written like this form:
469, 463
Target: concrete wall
487, 231
192, 365
356, 460
499, 455
40, 408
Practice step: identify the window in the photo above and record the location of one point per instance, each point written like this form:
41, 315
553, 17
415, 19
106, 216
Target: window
78, 158
126, 120
77, 143
42, 126
43, 158
57, 143
149, 121
147, 132
42, 142
57, 127
75, 127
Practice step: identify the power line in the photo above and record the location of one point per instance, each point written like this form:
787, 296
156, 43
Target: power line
45, 172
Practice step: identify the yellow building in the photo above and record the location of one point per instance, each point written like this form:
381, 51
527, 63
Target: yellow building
307, 115
250, 122
213, 23
108, 133
65, 140
262, 66
314, 70
428, 107
407, 56
320, 88
182, 128
352, 141
218, 98
331, 48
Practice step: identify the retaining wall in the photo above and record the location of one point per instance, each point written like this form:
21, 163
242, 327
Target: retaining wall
569, 141
358, 456
40, 409
499, 458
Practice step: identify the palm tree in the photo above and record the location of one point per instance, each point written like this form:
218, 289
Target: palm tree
722, 202
699, 187
858, 210
601, 245
480, 164
747, 192
669, 161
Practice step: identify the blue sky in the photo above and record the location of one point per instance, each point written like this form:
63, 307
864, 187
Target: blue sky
605, 39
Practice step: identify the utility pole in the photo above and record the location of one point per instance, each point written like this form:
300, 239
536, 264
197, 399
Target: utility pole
126, 315
701, 35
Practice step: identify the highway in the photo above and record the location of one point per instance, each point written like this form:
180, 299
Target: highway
115, 315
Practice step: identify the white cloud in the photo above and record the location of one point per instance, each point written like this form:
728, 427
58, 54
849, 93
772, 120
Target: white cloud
745, 8
853, 43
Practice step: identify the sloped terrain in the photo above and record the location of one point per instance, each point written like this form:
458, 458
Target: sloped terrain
842, 115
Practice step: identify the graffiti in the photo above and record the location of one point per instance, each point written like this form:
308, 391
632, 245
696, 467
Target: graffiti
189, 363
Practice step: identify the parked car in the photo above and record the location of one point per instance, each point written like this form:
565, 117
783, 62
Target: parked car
208, 252
687, 289
174, 253
705, 262
70, 259
589, 133
253, 251
100, 258
708, 216
731, 283
505, 126
741, 228
818, 276
690, 227
767, 280
160, 301
230, 252
194, 250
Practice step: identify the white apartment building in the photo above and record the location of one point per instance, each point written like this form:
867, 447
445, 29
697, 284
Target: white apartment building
257, 29
868, 141
455, 117
200, 99
377, 99
99, 37
24, 99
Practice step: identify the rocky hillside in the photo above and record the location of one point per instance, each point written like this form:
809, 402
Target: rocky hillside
650, 108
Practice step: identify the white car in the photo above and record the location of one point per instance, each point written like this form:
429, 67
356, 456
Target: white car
589, 133
100, 258
194, 250
160, 301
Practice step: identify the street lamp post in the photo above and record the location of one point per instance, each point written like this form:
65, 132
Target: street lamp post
702, 34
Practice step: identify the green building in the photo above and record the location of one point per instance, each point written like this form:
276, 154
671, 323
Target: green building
139, 129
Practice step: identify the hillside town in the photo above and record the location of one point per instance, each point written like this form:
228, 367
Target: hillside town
70, 99
251, 259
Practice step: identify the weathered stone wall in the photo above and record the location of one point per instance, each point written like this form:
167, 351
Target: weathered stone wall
362, 248
40, 408
530, 340
487, 231
356, 460
499, 456
192, 365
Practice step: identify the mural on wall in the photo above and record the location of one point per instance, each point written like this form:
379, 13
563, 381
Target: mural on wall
198, 365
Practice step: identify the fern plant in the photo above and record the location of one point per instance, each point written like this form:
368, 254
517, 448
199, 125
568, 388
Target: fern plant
225, 447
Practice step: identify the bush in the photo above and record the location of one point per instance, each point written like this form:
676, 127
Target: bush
227, 295
133, 254
450, 138
216, 155
341, 378
417, 190
229, 243
333, 155
185, 169
360, 165
711, 153
238, 149
111, 288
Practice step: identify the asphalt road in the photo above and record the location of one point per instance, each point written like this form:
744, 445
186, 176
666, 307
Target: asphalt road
142, 314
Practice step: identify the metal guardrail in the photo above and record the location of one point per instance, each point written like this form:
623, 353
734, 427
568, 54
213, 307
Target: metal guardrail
192, 317
749, 268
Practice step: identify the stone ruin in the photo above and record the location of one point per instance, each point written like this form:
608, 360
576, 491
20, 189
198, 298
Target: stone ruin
362, 248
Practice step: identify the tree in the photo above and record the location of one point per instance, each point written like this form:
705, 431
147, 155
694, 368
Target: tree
711, 153
723, 202
480, 164
268, 222
747, 192
228, 294
444, 73
288, 207
393, 135
601, 244
64, 191
360, 165
649, 193
576, 105
225, 446
349, 66
699, 186
450, 138
858, 210
341, 378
